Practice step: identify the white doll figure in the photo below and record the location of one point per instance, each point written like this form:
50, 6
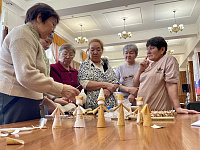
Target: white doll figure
139, 101
79, 111
84, 96
101, 123
57, 120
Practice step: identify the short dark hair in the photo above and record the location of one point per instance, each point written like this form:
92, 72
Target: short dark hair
45, 10
157, 41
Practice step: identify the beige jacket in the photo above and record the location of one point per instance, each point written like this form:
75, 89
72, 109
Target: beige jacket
23, 71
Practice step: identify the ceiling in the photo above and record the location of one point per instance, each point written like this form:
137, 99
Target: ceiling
102, 19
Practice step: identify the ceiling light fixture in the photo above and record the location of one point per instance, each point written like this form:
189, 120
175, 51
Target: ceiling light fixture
81, 39
175, 27
124, 34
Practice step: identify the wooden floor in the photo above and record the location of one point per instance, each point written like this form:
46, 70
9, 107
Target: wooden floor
177, 134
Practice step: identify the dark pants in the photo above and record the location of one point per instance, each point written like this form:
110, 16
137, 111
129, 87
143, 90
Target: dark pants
16, 109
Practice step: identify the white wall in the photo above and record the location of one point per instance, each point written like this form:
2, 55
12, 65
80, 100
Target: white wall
11, 19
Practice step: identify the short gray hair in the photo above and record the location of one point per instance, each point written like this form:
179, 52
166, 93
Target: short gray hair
66, 46
130, 47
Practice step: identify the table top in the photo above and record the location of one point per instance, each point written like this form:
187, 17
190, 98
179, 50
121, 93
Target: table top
177, 134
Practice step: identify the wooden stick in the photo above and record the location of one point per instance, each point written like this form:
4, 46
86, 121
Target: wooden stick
105, 108
78, 86
95, 110
116, 107
126, 108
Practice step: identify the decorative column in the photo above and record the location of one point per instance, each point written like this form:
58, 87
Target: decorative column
190, 81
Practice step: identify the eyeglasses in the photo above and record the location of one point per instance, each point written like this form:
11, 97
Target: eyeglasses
151, 48
67, 54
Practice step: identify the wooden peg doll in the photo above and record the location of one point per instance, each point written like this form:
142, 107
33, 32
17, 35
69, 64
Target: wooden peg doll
57, 120
101, 123
147, 121
139, 102
120, 100
79, 123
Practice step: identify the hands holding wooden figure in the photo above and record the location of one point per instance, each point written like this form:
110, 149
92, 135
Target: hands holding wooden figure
120, 100
101, 123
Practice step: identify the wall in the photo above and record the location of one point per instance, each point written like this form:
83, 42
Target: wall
11, 19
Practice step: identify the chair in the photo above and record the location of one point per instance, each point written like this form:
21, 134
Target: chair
193, 106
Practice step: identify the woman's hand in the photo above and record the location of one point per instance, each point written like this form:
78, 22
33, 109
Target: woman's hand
131, 98
144, 64
69, 91
106, 93
62, 101
112, 87
180, 110
50, 105
133, 90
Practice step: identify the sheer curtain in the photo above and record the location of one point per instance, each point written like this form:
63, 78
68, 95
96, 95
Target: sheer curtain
52, 52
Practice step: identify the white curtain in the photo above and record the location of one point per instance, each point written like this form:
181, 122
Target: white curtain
52, 53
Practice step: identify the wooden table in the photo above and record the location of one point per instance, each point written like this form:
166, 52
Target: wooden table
177, 134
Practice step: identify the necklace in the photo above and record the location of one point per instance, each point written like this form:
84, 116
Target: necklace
44, 54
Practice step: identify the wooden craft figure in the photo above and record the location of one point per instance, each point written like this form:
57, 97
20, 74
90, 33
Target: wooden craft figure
84, 96
120, 100
57, 120
146, 116
139, 101
79, 123
101, 123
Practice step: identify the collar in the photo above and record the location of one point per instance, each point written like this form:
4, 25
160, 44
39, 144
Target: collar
91, 62
61, 68
36, 33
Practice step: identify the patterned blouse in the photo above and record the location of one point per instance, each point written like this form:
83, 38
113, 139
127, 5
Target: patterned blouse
88, 71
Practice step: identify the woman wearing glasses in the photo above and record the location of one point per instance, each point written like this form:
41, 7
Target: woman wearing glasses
24, 67
158, 80
62, 72
96, 73
126, 72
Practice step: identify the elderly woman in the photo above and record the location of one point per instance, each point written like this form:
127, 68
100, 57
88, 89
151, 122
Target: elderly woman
126, 72
95, 73
47, 42
62, 71
23, 67
158, 80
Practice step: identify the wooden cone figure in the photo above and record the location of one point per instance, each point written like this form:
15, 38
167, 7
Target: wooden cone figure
11, 141
139, 101
57, 120
84, 96
120, 100
79, 123
101, 123
146, 116
121, 131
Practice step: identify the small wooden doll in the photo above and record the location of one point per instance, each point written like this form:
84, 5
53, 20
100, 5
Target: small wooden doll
147, 121
101, 123
139, 101
79, 123
120, 100
57, 120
